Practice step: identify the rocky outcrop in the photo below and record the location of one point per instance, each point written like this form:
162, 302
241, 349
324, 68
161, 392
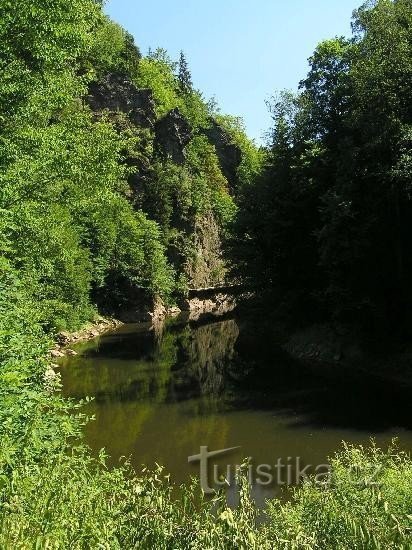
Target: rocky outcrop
66, 339
172, 134
168, 137
138, 305
228, 153
117, 93
206, 267
100, 326
322, 346
220, 304
341, 353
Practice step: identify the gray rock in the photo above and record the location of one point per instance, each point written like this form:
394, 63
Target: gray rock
51, 379
117, 93
173, 133
64, 337
228, 153
56, 353
206, 267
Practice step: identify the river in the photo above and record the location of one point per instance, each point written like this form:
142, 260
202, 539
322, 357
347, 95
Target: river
160, 394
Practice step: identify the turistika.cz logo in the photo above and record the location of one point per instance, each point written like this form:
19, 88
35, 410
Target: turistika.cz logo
282, 473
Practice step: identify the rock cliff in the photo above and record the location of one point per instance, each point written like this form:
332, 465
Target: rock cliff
170, 135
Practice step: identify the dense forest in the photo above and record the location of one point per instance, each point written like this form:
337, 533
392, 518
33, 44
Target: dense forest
119, 180
327, 225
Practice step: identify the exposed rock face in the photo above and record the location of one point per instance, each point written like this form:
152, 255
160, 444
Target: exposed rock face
321, 345
117, 93
341, 353
220, 304
229, 154
207, 267
173, 133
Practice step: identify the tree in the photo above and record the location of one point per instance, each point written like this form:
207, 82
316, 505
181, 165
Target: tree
184, 76
332, 214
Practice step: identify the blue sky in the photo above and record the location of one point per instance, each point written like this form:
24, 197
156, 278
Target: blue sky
240, 51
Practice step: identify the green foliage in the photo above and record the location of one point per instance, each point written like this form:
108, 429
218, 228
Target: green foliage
41, 46
279, 213
253, 157
167, 196
210, 187
330, 227
157, 72
113, 50
184, 77
34, 423
63, 191
180, 198
202, 159
366, 191
47, 248
367, 505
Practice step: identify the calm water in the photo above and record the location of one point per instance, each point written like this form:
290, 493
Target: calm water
159, 395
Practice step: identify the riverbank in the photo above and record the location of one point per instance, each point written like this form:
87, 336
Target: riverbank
213, 302
324, 349
92, 330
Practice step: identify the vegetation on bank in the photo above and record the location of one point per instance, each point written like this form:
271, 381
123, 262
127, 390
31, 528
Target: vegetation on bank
72, 233
327, 225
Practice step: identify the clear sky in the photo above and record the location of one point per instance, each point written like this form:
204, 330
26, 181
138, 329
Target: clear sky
240, 51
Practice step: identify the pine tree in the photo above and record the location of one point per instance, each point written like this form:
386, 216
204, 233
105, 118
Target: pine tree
184, 76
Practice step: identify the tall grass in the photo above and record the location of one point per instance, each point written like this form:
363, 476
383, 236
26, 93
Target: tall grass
76, 502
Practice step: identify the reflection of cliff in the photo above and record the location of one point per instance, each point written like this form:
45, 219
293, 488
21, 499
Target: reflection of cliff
177, 363
208, 350
147, 385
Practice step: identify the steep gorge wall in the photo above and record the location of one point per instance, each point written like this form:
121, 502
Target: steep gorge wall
203, 264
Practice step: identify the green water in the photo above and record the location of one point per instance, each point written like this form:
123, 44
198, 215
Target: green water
159, 395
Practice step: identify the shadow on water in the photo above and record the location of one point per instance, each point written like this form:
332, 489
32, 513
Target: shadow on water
161, 393
336, 398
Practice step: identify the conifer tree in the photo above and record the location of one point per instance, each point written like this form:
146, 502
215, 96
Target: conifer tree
184, 75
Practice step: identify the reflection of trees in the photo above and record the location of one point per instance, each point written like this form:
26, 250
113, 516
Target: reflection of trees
140, 371
111, 380
149, 386
207, 350
177, 363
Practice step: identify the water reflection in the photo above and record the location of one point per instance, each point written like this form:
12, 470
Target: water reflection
140, 364
161, 393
